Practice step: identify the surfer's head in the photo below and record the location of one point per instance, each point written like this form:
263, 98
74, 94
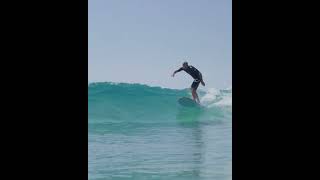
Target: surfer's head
185, 64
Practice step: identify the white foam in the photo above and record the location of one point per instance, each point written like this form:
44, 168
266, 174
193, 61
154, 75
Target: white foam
214, 97
210, 96
226, 101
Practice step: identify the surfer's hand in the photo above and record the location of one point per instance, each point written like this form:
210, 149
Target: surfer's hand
203, 84
172, 75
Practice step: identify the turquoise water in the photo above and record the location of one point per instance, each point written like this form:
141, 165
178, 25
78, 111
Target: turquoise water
141, 132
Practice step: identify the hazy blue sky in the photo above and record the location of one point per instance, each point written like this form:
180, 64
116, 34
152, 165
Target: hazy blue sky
144, 41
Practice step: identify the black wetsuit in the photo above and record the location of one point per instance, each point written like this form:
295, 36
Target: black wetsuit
195, 73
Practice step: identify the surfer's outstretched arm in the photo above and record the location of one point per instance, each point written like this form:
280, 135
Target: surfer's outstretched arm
177, 71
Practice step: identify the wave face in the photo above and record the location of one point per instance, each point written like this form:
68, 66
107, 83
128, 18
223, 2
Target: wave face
137, 103
141, 132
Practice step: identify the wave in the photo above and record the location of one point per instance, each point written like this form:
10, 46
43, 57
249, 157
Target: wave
132, 104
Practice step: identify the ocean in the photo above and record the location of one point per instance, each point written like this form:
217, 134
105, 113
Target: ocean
141, 132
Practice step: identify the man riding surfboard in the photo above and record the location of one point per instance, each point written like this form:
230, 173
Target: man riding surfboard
196, 75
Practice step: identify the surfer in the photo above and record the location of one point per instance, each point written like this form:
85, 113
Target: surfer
197, 76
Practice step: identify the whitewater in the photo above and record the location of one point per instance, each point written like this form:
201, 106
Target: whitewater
141, 132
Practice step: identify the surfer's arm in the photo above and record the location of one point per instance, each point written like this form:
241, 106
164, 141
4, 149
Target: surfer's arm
176, 71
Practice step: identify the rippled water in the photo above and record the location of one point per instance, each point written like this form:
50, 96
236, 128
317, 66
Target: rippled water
168, 143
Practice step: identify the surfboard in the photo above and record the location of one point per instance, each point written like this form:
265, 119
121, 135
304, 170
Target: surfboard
187, 102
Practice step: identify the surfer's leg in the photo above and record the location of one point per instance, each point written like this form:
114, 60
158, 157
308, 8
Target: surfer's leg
194, 87
193, 90
193, 94
196, 96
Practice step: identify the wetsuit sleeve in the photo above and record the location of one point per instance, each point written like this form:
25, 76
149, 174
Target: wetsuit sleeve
200, 75
178, 70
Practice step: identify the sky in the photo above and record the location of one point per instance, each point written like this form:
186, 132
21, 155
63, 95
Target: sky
144, 41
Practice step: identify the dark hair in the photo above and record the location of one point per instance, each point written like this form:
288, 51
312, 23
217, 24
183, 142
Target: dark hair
185, 63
